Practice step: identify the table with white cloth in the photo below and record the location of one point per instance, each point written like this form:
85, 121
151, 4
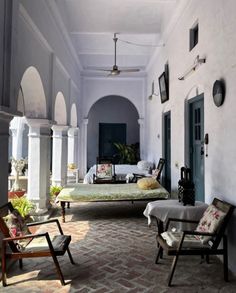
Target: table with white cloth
162, 210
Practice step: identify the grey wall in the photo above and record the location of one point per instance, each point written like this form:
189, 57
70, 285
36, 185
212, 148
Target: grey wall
112, 109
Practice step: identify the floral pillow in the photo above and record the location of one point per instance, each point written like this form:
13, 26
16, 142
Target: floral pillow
104, 171
17, 227
210, 222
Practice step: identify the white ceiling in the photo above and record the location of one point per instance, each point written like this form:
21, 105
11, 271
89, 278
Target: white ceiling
91, 25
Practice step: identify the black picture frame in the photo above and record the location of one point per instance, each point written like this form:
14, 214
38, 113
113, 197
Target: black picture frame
163, 86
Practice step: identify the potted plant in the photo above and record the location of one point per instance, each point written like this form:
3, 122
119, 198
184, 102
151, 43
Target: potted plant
23, 205
54, 191
17, 165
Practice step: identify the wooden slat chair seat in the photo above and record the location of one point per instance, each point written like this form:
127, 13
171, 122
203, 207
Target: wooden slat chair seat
34, 245
184, 246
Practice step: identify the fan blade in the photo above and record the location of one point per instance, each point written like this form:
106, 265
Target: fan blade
130, 70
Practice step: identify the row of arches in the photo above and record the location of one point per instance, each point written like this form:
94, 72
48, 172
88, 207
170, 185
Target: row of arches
32, 101
47, 134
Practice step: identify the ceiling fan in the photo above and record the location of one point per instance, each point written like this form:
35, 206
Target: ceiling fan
115, 70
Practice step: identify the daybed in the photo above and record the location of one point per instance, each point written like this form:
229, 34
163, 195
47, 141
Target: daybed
120, 170
107, 192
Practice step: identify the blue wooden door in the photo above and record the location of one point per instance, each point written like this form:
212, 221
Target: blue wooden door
167, 151
108, 134
197, 146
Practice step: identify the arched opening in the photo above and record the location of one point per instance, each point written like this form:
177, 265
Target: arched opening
31, 102
108, 119
60, 115
73, 116
31, 95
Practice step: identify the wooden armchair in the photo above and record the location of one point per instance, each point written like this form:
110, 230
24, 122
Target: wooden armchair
18, 244
159, 168
204, 241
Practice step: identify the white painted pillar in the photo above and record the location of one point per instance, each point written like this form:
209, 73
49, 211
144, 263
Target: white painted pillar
59, 155
39, 163
141, 137
83, 143
4, 139
73, 146
17, 127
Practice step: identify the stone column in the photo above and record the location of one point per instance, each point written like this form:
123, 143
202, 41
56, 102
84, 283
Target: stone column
83, 151
4, 139
17, 127
59, 155
39, 163
141, 137
73, 146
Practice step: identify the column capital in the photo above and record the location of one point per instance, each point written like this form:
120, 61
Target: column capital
57, 127
38, 123
73, 131
60, 130
39, 127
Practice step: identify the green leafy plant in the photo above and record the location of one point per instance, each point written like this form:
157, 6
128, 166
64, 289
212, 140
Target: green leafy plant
128, 154
54, 190
23, 205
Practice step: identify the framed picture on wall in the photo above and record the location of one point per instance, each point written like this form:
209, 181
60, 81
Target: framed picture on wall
163, 87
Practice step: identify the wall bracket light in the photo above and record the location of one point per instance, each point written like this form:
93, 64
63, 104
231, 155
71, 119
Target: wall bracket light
153, 94
197, 62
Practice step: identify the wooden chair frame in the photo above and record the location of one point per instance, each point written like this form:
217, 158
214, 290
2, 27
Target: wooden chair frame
203, 251
15, 254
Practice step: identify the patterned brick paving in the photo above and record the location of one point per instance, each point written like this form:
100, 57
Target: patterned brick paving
114, 251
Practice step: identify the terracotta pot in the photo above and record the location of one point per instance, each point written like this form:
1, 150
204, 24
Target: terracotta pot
19, 193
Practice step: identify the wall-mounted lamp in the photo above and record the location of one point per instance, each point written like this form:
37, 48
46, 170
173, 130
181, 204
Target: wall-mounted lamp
153, 94
197, 62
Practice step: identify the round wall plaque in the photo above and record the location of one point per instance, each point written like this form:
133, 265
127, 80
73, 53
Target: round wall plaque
218, 93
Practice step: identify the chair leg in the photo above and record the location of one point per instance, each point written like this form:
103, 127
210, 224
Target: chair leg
59, 272
4, 276
21, 263
159, 254
70, 256
225, 259
173, 266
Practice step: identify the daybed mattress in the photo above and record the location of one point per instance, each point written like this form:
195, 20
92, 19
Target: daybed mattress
109, 192
121, 171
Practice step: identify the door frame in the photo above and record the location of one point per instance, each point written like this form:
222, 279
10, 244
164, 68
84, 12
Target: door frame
164, 114
188, 104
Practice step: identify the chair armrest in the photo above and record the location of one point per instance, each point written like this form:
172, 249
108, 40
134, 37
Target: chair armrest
24, 237
179, 220
192, 233
47, 222
199, 233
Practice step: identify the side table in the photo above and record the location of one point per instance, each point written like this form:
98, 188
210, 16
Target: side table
164, 209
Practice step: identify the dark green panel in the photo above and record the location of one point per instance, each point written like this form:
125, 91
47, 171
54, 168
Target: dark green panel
108, 134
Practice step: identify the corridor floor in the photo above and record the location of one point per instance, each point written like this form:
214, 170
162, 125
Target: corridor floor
114, 251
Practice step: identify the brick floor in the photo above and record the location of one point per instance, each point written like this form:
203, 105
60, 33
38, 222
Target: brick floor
114, 251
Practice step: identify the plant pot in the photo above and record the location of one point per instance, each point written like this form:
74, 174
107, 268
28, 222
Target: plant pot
18, 193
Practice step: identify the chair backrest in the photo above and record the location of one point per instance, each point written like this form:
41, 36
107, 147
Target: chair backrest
228, 209
104, 160
160, 166
4, 211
